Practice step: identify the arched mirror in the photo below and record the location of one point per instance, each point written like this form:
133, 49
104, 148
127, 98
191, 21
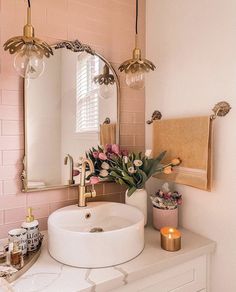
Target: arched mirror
71, 107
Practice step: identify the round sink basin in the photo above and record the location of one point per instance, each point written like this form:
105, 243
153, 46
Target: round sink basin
100, 235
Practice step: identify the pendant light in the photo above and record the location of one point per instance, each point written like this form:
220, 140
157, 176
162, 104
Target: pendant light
29, 51
136, 67
106, 82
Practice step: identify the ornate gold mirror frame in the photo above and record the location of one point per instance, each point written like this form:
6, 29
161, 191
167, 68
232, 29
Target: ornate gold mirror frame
75, 46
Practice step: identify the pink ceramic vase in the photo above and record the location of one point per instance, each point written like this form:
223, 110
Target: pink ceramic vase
163, 218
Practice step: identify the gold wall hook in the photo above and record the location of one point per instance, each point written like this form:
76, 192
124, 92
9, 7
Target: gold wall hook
221, 109
155, 116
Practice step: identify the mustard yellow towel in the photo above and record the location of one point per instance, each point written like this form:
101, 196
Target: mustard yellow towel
107, 134
191, 140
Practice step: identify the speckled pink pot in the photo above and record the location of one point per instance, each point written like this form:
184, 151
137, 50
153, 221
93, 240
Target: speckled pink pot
163, 218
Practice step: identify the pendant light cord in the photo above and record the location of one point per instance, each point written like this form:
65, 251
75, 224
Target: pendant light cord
29, 4
136, 21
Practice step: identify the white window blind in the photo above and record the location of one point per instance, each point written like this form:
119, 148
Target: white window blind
87, 98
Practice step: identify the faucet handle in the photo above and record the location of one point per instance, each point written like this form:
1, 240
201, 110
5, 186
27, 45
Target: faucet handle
93, 192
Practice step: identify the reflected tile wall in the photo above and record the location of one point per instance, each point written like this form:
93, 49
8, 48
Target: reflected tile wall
108, 26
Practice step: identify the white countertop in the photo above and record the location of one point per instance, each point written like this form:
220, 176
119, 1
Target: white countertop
48, 275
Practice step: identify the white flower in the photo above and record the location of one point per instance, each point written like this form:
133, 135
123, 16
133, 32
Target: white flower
105, 165
131, 169
103, 173
138, 162
148, 153
125, 159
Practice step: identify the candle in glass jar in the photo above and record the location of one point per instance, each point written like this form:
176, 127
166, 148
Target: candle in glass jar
170, 239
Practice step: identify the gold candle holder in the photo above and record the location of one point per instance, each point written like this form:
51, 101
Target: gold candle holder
170, 239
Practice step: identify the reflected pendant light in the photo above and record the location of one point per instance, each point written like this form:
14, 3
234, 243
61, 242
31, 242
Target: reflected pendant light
29, 51
106, 82
136, 67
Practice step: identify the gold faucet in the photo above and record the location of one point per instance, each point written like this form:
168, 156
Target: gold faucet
83, 194
71, 180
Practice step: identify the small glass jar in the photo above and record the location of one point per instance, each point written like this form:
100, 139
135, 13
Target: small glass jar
16, 256
3, 255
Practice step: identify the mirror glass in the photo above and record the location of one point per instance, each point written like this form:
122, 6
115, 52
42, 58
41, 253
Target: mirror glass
65, 109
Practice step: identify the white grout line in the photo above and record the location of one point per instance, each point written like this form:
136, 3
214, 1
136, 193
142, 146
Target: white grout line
92, 283
124, 273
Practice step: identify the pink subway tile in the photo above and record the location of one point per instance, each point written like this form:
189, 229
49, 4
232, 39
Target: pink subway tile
129, 129
37, 198
7, 227
43, 197
59, 195
12, 157
112, 188
1, 217
126, 118
19, 214
7, 202
14, 215
57, 205
11, 128
139, 118
11, 142
139, 141
40, 211
43, 223
127, 140
73, 193
9, 172
11, 112
11, 187
9, 82
12, 97
1, 190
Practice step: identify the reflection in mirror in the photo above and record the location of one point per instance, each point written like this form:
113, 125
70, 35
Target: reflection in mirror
65, 111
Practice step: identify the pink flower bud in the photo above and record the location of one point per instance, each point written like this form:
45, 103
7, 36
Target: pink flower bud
76, 172
94, 180
115, 148
95, 154
102, 156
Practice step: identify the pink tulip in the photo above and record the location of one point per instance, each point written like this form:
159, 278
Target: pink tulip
94, 180
108, 147
76, 172
124, 152
102, 156
115, 148
95, 154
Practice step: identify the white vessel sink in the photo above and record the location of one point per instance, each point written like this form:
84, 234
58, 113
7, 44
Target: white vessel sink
100, 235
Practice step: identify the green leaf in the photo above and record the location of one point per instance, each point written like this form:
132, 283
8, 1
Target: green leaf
131, 191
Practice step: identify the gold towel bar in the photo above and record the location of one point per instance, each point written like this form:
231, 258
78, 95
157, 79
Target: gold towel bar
221, 109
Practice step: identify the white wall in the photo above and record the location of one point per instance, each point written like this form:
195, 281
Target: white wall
193, 44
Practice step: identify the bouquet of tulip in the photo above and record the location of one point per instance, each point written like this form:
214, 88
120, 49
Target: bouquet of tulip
101, 158
135, 169
165, 199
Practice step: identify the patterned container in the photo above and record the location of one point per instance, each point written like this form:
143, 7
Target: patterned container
19, 235
32, 228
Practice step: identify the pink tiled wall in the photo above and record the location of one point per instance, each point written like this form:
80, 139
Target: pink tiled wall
106, 25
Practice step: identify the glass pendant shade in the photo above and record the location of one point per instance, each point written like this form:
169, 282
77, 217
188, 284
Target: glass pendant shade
106, 91
29, 51
28, 63
137, 67
106, 83
135, 80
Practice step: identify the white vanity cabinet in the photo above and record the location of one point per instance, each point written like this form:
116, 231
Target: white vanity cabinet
190, 276
154, 270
